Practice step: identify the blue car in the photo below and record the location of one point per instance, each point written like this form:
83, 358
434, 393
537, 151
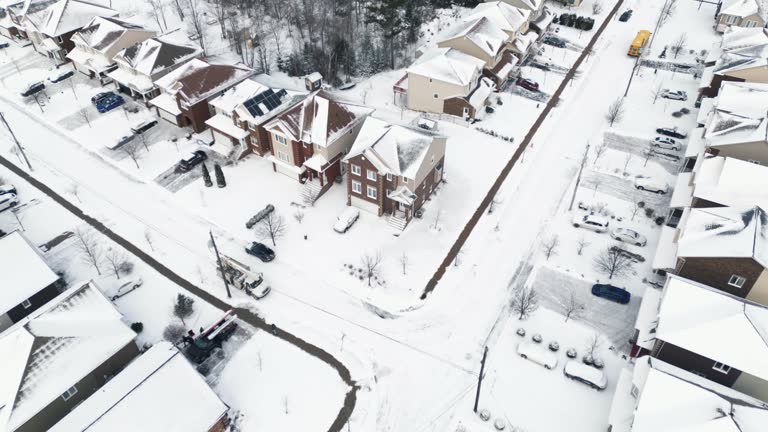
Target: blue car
109, 103
612, 293
4, 45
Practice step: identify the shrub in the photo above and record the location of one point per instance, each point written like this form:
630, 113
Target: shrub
137, 327
649, 212
659, 221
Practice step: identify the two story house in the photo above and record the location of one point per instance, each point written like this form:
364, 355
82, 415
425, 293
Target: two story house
241, 113
536, 7
60, 355
148, 395
51, 29
310, 138
740, 13
140, 65
99, 41
187, 90
26, 280
394, 169
12, 24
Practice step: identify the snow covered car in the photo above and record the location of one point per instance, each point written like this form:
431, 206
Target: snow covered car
109, 103
537, 354
32, 88
612, 293
671, 132
674, 95
191, 160
7, 201
590, 376
628, 236
127, 287
592, 222
666, 143
59, 75
651, 185
144, 125
7, 189
346, 219
120, 141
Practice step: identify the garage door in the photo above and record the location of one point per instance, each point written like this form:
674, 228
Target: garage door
287, 170
222, 139
365, 205
167, 116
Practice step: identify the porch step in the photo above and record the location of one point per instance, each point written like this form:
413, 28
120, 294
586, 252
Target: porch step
397, 223
311, 189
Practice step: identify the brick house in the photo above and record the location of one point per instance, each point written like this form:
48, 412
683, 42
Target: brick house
394, 169
309, 139
58, 356
186, 91
26, 280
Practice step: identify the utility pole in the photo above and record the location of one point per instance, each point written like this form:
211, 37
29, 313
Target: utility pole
221, 267
578, 177
480, 378
18, 145
658, 21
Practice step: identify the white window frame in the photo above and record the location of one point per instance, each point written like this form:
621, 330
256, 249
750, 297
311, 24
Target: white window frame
26, 304
405, 180
389, 176
749, 24
357, 187
370, 175
634, 391
67, 395
280, 139
356, 170
371, 192
722, 368
283, 156
737, 281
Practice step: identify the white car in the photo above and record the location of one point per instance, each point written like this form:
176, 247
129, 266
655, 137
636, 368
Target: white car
590, 376
629, 236
666, 143
127, 287
7, 189
537, 354
651, 185
346, 219
674, 94
593, 222
7, 201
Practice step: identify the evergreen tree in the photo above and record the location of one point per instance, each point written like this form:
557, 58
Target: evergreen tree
206, 176
220, 181
386, 14
184, 307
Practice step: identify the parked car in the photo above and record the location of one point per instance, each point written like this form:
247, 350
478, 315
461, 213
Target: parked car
666, 143
259, 216
144, 125
4, 45
612, 293
651, 185
595, 223
528, 84
671, 132
626, 15
32, 88
191, 160
261, 251
555, 42
427, 124
109, 103
588, 375
8, 189
121, 141
346, 219
7, 201
537, 354
97, 97
629, 236
127, 287
59, 75
674, 95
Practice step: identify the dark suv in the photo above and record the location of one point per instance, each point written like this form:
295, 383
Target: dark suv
261, 252
612, 293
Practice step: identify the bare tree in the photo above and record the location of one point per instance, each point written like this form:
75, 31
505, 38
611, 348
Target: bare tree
299, 216
524, 302
594, 342
596, 185
116, 261
220, 10
88, 247
656, 93
613, 262
667, 12
75, 191
438, 214
599, 151
615, 112
179, 9
272, 227
371, 266
158, 13
679, 44
84, 116
581, 243
550, 246
569, 303
636, 206
148, 238
597, 7
133, 151
174, 332
492, 205
19, 218
627, 159
404, 262
196, 23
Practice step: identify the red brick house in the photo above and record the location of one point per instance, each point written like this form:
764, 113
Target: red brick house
309, 139
394, 169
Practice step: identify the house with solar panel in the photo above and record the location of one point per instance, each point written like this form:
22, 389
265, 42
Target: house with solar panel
241, 112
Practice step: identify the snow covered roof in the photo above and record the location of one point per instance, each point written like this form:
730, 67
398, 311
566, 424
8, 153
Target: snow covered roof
716, 325
648, 318
197, 79
157, 54
237, 94
531, 4
54, 348
480, 94
674, 400
504, 15
743, 98
665, 257
23, 272
449, 65
222, 123
318, 119
738, 61
255, 102
524, 41
729, 181
167, 103
158, 391
743, 39
104, 33
482, 32
24, 7
65, 16
733, 232
393, 149
743, 8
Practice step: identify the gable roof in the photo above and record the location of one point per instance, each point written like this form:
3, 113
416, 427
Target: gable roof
197, 79
715, 325
23, 272
159, 390
102, 33
723, 180
504, 15
744, 8
65, 16
483, 33
55, 347
157, 54
449, 65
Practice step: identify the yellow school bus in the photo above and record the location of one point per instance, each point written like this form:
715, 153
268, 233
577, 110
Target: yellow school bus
640, 40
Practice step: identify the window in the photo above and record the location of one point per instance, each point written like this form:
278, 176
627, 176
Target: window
356, 170
69, 393
405, 180
750, 24
752, 161
433, 160
635, 392
389, 192
371, 175
357, 187
372, 192
281, 139
26, 304
435, 96
736, 281
283, 156
721, 368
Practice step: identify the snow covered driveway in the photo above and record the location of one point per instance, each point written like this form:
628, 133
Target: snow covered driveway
624, 189
670, 160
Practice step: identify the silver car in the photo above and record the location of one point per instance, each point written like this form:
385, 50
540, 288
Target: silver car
666, 143
629, 236
674, 94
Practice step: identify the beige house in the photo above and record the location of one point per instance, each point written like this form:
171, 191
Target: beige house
740, 13
99, 41
535, 6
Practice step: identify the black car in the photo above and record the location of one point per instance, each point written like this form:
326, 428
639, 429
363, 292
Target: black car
555, 42
4, 45
191, 160
33, 88
671, 132
612, 293
144, 126
261, 252
626, 15
95, 99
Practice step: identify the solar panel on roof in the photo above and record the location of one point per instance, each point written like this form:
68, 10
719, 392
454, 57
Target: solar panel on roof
265, 102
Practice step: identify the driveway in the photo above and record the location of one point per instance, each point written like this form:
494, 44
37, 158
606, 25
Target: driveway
174, 180
624, 189
670, 160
